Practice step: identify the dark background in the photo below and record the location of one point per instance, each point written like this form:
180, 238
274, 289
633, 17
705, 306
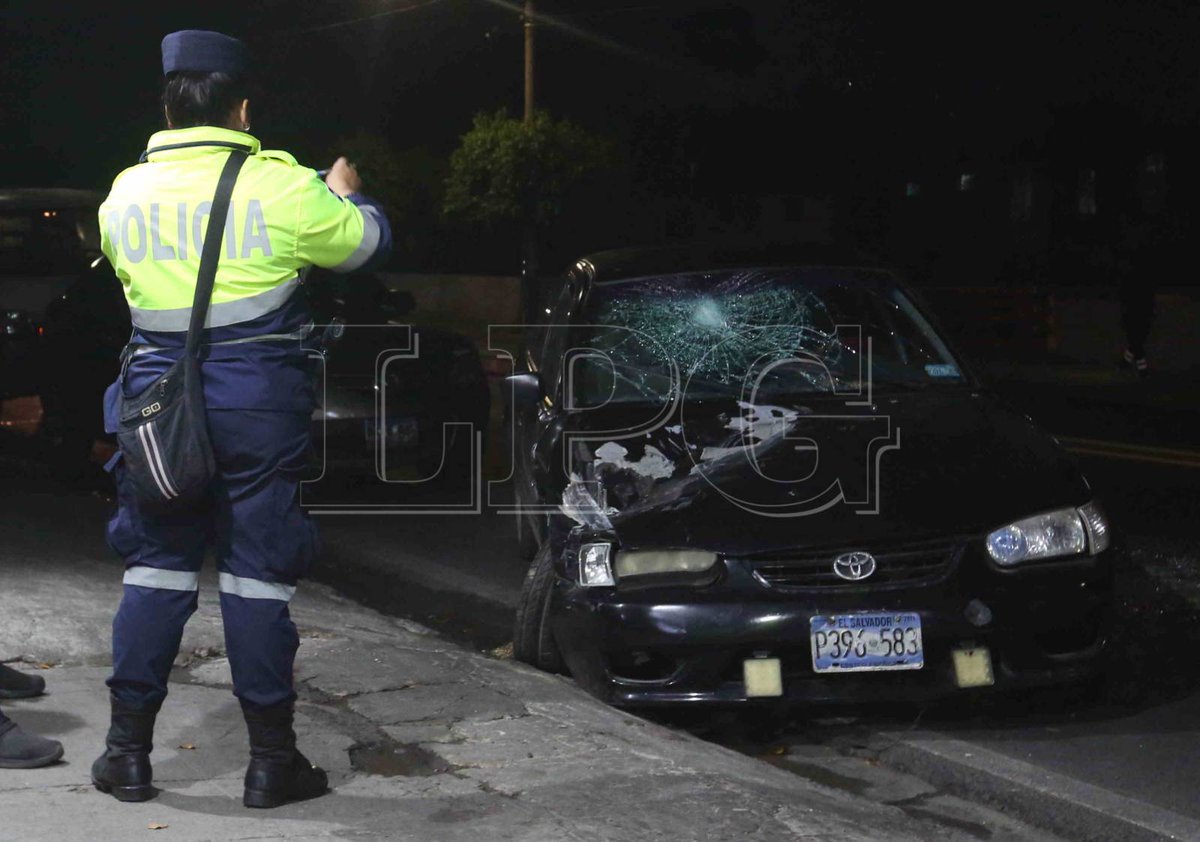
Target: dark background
974, 143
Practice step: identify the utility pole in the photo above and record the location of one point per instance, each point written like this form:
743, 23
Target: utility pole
528, 21
531, 294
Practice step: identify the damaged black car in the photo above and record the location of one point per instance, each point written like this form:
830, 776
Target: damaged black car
747, 475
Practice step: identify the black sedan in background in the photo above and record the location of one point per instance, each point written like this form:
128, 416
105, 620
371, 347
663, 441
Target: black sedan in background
63, 322
48, 239
63, 319
751, 475
371, 418
394, 392
48, 236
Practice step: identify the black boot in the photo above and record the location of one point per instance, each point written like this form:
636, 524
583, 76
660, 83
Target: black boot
19, 685
123, 770
278, 773
21, 750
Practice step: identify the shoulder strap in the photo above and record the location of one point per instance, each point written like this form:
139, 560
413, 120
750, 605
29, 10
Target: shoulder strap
211, 253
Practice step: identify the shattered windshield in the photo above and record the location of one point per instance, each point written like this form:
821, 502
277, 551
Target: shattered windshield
770, 332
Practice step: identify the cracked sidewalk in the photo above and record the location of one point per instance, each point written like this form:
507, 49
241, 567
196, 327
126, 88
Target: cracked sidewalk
422, 738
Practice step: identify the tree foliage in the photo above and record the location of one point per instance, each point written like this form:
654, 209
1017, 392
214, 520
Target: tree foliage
505, 170
406, 181
409, 184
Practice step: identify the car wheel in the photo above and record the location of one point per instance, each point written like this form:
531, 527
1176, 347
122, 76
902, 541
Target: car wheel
533, 642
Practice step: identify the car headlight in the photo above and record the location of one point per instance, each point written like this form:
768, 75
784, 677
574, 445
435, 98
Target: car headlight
1097, 527
646, 562
595, 569
1065, 532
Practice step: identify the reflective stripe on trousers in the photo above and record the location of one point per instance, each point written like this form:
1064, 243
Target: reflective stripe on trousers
255, 588
264, 543
165, 580
179, 580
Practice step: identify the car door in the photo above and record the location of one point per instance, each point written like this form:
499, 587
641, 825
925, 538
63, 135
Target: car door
532, 422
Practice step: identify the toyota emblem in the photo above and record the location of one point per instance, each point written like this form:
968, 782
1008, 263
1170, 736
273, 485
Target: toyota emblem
854, 567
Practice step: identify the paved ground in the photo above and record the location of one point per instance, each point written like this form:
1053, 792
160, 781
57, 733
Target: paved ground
424, 739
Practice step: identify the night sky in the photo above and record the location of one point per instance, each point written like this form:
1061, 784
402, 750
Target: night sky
80, 83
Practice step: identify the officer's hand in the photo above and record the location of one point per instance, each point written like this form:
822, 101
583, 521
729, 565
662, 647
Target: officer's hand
343, 178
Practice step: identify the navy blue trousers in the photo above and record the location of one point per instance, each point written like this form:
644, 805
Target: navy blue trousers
264, 544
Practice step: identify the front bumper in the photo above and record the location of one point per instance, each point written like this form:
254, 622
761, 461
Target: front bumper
686, 645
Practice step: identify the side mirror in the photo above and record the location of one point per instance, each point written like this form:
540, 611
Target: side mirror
525, 388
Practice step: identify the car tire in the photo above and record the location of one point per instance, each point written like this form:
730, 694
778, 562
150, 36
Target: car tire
533, 641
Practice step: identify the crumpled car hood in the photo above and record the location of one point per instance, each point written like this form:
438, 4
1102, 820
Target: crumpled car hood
739, 478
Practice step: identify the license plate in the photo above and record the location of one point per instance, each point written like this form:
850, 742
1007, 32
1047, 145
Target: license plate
399, 433
863, 642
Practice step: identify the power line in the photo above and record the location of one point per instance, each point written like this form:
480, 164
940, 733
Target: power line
613, 45
564, 25
621, 9
338, 24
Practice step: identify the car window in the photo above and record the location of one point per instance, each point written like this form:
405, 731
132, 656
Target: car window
777, 332
46, 242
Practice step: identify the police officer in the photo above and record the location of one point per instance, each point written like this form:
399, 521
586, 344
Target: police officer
20, 749
258, 390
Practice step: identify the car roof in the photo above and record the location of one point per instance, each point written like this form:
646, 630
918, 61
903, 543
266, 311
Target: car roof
38, 198
629, 263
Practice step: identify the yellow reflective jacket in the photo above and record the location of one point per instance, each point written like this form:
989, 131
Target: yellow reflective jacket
282, 218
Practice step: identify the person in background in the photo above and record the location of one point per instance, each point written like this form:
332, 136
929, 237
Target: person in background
1145, 236
20, 749
1136, 286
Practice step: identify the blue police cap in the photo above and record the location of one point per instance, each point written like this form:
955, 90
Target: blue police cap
204, 51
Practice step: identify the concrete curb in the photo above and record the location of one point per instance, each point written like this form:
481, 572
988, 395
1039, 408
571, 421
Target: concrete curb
423, 738
1058, 803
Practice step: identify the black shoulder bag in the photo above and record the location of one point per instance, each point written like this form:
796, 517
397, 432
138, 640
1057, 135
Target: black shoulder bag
163, 432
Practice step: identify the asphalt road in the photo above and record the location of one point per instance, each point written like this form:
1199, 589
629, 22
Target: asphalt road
1139, 738
457, 574
1137, 445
